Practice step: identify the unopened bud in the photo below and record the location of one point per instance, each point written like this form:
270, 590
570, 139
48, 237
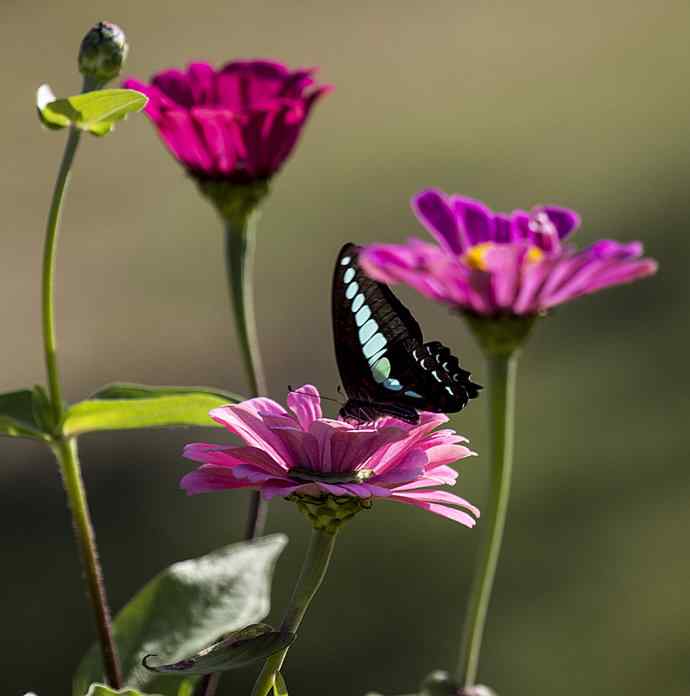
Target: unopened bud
102, 53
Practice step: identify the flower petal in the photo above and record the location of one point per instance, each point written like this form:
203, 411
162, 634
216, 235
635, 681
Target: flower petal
442, 510
305, 403
436, 214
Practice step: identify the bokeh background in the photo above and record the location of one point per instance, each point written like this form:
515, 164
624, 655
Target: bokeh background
585, 104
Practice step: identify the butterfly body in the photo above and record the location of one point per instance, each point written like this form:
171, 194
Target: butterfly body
385, 366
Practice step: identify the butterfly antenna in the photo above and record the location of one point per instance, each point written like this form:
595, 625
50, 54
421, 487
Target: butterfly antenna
313, 396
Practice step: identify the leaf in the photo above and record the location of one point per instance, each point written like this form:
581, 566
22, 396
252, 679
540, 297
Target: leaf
239, 649
132, 406
17, 416
96, 112
280, 687
186, 607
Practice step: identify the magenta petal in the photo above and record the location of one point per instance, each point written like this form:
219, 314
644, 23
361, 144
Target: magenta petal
179, 133
176, 86
443, 497
305, 403
221, 136
435, 213
245, 420
476, 220
565, 220
442, 510
202, 82
211, 478
407, 469
351, 448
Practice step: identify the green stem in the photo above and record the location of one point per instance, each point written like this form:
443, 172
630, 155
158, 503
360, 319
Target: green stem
66, 450
66, 454
310, 579
240, 242
49, 252
502, 373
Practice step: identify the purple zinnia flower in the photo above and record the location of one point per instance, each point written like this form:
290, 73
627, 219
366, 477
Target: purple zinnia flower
303, 455
240, 122
496, 264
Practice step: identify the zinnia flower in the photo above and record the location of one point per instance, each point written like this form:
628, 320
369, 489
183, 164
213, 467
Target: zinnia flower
496, 264
239, 123
309, 458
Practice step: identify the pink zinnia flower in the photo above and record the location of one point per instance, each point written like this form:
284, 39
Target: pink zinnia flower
240, 122
494, 264
304, 454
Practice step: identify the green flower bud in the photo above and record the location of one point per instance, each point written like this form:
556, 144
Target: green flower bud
102, 53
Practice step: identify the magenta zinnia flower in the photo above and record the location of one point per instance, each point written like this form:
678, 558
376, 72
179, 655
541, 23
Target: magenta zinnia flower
303, 454
240, 122
494, 264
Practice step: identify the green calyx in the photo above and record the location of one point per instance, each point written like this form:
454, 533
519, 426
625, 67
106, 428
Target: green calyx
328, 512
234, 201
500, 335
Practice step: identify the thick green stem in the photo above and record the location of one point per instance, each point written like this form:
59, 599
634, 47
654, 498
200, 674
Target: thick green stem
66, 454
49, 253
310, 579
66, 450
239, 249
502, 373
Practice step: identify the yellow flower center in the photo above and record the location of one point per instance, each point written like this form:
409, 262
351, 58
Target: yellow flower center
475, 257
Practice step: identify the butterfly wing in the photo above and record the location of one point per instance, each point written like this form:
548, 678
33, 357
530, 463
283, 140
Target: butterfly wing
380, 351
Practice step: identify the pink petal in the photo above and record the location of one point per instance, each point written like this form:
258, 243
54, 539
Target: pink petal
442, 510
476, 220
436, 214
179, 133
305, 403
222, 137
211, 478
245, 420
442, 497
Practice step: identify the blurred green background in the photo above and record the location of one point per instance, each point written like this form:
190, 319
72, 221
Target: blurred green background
584, 104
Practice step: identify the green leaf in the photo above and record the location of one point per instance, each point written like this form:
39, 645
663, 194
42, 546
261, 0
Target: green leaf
132, 406
239, 649
18, 417
280, 687
185, 608
96, 112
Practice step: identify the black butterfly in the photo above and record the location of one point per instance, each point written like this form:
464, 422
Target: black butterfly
385, 366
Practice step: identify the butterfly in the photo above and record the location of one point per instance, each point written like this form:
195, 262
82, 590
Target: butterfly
385, 366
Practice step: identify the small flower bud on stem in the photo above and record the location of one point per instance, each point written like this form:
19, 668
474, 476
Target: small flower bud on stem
102, 53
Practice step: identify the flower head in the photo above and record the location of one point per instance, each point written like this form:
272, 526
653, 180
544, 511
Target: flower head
238, 123
496, 264
328, 465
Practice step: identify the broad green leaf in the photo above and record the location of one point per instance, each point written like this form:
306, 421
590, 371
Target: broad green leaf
186, 607
239, 649
17, 416
96, 112
132, 406
103, 690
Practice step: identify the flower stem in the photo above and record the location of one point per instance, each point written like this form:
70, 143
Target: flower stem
66, 454
502, 373
65, 449
48, 289
312, 574
240, 242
